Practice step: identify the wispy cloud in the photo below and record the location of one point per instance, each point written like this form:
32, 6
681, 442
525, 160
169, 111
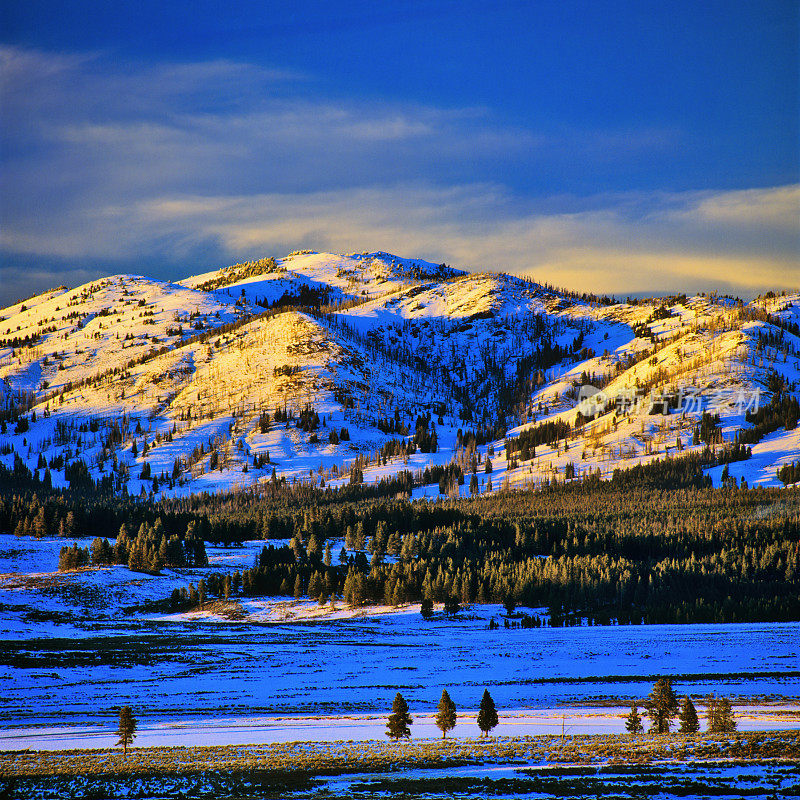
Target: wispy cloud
773, 209
603, 249
148, 166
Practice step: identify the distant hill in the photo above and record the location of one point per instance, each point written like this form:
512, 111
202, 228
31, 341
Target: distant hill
321, 367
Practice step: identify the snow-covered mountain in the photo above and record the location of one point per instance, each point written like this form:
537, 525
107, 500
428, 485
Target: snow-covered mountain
309, 366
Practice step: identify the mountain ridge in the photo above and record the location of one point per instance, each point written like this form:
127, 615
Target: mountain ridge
398, 353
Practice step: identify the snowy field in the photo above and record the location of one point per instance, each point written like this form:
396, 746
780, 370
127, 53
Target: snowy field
75, 648
747, 765
661, 780
537, 780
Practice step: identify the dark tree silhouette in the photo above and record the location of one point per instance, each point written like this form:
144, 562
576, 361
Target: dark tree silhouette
452, 606
487, 715
126, 730
426, 609
688, 717
446, 714
399, 719
662, 706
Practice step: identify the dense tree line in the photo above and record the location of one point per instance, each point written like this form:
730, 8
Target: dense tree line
789, 473
655, 543
547, 433
783, 411
151, 549
628, 550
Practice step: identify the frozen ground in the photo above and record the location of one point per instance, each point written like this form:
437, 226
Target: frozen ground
71, 655
544, 780
546, 766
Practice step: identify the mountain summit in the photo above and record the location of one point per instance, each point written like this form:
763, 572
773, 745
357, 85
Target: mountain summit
329, 369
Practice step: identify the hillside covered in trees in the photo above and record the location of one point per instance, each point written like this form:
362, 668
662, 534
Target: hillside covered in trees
652, 544
330, 369
396, 430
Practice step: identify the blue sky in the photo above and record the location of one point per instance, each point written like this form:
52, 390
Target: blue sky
616, 147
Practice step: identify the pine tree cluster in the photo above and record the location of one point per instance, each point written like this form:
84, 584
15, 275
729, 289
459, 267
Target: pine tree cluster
662, 706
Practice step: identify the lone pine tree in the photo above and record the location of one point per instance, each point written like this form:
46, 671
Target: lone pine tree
662, 706
446, 714
688, 717
399, 719
633, 722
487, 715
126, 730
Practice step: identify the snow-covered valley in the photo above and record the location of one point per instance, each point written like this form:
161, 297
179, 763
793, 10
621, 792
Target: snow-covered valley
78, 645
275, 380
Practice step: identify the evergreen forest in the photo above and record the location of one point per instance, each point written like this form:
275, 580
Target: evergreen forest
655, 544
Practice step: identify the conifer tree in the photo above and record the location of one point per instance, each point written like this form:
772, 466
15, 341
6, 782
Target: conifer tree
313, 586
487, 715
452, 606
446, 714
662, 706
126, 730
688, 717
426, 608
719, 713
155, 562
711, 713
725, 717
633, 722
399, 719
